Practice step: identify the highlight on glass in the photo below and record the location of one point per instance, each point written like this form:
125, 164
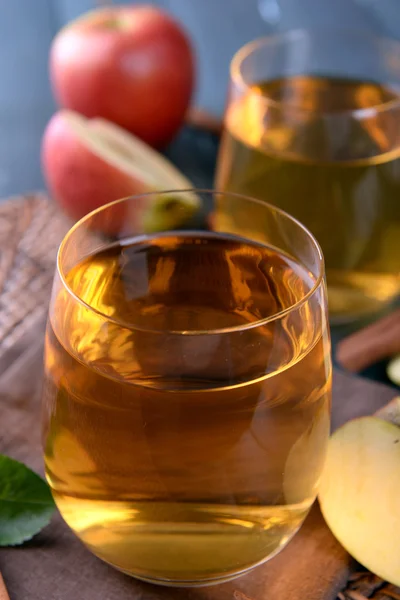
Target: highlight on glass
186, 404
313, 126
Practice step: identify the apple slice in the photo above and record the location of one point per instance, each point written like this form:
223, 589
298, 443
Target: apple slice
393, 369
89, 163
137, 158
360, 490
150, 167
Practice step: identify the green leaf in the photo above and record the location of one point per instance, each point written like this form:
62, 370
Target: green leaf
26, 504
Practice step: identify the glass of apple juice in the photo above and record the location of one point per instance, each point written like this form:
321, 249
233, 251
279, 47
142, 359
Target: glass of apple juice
312, 126
186, 405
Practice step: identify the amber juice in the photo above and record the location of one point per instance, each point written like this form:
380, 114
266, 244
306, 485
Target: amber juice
327, 151
177, 455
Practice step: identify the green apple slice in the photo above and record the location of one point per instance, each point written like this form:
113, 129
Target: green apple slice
393, 370
360, 493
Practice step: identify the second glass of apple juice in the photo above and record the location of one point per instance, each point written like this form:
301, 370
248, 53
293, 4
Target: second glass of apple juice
312, 126
186, 405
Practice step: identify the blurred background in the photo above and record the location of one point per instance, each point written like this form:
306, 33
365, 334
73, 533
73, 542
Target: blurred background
217, 28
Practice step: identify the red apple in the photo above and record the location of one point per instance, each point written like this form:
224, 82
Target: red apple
130, 65
88, 163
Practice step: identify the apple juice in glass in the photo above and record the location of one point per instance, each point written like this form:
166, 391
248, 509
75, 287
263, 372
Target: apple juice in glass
186, 406
313, 126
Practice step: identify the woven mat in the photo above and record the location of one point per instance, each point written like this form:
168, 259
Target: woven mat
55, 565
31, 228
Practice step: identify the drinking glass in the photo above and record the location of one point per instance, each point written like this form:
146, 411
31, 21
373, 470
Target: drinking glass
312, 125
186, 404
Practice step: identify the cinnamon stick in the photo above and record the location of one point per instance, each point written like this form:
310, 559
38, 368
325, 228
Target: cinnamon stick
353, 595
3, 590
373, 343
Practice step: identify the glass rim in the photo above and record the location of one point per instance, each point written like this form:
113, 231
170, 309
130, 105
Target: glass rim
238, 78
223, 330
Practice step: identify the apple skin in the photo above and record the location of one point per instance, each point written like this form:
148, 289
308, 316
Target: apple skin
133, 66
77, 178
359, 493
88, 163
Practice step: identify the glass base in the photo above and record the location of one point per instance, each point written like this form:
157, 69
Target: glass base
191, 583
203, 582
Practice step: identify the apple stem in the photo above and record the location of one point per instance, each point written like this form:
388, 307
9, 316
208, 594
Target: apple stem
390, 412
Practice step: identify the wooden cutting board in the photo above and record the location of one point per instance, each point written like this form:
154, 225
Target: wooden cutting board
55, 565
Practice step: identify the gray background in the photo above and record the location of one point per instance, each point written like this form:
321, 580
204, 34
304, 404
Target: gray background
218, 28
